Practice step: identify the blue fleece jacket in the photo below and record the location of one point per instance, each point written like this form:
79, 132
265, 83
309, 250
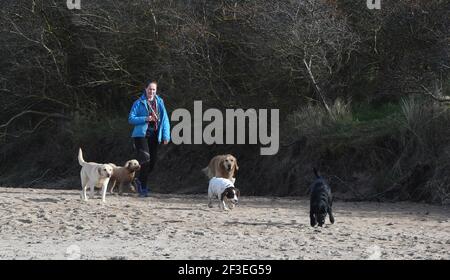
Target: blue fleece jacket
140, 111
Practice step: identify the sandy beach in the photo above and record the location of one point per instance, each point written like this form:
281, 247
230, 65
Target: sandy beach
56, 224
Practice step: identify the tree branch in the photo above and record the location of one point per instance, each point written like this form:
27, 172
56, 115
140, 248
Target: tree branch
316, 86
48, 115
442, 98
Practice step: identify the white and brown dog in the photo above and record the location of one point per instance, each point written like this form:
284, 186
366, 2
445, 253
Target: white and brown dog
93, 175
124, 175
222, 166
224, 190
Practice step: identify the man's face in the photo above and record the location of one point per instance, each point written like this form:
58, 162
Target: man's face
151, 91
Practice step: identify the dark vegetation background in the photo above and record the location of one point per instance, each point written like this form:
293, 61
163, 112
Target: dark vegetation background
362, 93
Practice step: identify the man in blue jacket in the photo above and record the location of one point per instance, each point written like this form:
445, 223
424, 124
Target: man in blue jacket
151, 127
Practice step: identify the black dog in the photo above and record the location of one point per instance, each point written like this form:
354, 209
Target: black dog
321, 201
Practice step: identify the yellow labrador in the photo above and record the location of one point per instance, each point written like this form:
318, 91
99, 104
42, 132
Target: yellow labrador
222, 166
93, 175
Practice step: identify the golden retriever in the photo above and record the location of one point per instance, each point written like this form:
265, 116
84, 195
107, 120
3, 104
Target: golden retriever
222, 166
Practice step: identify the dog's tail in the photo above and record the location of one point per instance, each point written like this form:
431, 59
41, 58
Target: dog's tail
80, 157
206, 171
316, 173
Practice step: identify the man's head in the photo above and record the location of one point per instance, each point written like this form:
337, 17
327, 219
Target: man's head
151, 90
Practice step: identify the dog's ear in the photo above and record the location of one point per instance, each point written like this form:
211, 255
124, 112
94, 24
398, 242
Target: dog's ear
128, 164
222, 196
225, 193
99, 170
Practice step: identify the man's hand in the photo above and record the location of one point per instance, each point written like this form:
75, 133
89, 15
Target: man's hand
165, 142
